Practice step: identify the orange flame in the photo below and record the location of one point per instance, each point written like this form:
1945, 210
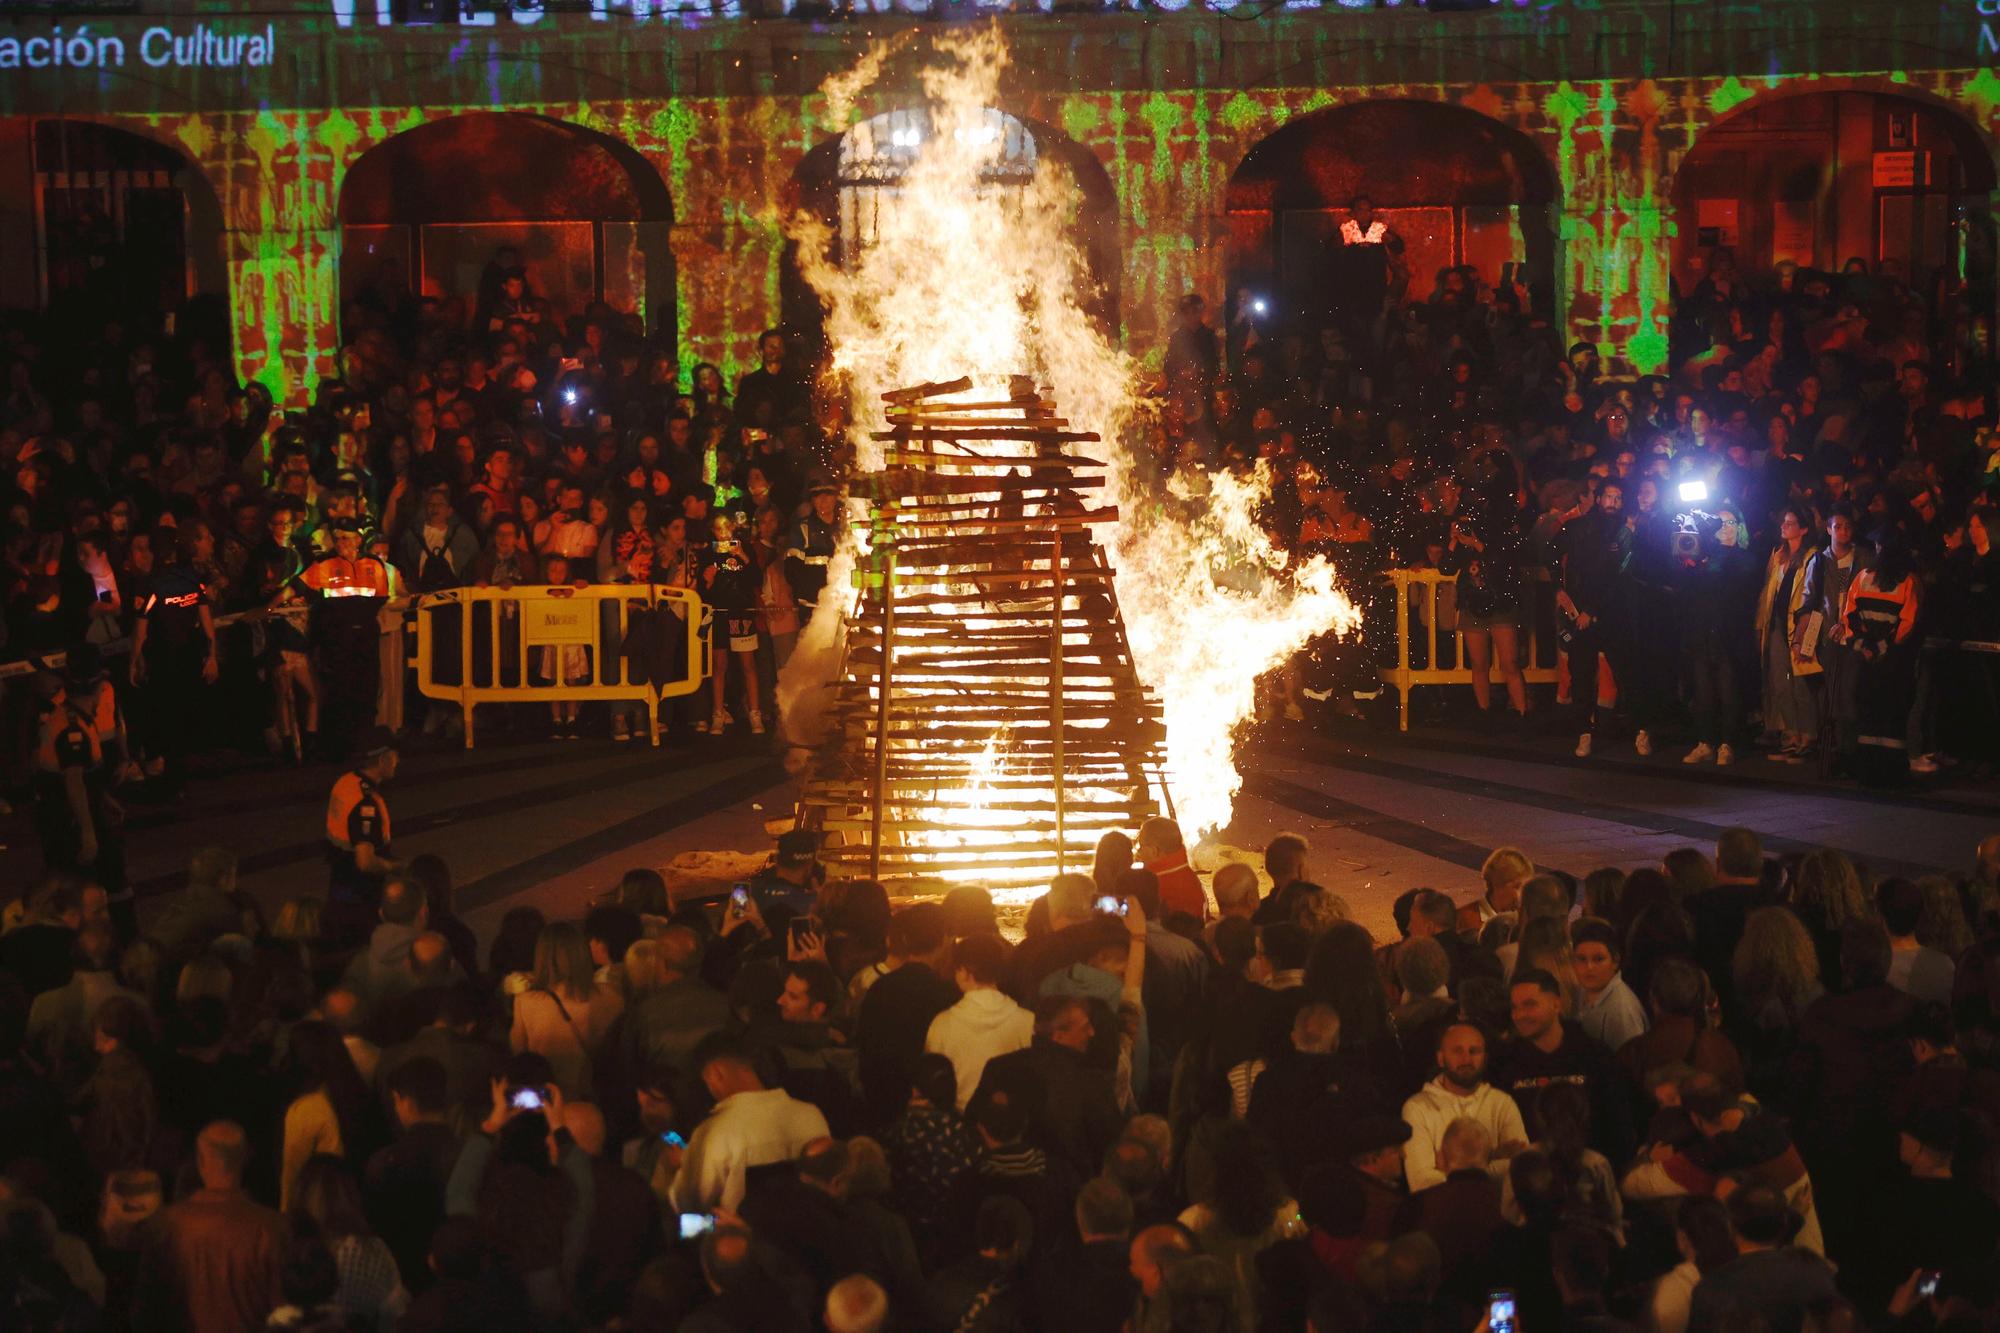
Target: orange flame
970, 273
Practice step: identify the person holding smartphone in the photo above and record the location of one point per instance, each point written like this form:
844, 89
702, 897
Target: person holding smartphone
793, 878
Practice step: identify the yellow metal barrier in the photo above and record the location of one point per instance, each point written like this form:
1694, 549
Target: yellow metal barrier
1421, 585
559, 645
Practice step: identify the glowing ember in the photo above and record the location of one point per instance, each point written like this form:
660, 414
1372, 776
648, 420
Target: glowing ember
968, 272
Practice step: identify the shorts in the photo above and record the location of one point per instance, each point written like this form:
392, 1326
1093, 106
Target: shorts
740, 628
1504, 618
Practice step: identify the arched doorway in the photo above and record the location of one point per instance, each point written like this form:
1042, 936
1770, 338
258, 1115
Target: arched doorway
124, 224
1821, 178
441, 209
1459, 188
848, 180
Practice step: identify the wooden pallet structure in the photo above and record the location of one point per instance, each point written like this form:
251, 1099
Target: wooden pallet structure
988, 725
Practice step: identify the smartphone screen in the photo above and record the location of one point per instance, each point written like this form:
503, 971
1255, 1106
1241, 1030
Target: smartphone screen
696, 1224
1112, 904
673, 1139
526, 1099
1500, 1311
739, 900
1928, 1284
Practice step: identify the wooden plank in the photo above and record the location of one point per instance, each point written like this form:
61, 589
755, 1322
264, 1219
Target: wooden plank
973, 527
934, 389
905, 794
1013, 430
924, 458
1030, 827
994, 719
1087, 740
891, 484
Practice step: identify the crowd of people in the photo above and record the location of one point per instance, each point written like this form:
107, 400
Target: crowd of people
194, 570
1725, 1093
1720, 1094
1770, 543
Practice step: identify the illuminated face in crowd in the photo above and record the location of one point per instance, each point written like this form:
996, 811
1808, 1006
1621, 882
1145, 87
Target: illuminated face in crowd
796, 1004
1611, 499
1595, 966
1461, 1056
1535, 1011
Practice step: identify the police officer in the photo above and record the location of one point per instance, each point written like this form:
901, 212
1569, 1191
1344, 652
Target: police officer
357, 839
173, 651
809, 546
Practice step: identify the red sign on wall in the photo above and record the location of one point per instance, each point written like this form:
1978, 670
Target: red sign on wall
1902, 170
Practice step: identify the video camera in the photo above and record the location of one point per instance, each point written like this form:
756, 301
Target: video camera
1690, 523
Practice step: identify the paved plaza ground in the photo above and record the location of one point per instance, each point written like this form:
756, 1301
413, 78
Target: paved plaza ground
554, 824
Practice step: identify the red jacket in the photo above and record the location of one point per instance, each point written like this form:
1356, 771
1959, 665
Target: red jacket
1180, 889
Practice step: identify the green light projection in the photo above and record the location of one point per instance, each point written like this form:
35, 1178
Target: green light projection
728, 162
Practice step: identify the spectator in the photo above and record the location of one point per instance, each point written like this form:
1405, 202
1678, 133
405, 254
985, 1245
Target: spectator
370, 1290
331, 1113
1460, 1092
1923, 972
554, 1016
1703, 1237
1792, 579
214, 1261
1460, 1211
1071, 1106
405, 1181
1092, 1289
1544, 1050
1607, 1010
1768, 1280
751, 1126
675, 1008
984, 1023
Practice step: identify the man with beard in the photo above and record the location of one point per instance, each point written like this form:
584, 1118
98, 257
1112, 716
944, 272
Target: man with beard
1459, 1092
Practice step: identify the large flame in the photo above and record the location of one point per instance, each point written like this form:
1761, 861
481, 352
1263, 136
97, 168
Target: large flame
968, 275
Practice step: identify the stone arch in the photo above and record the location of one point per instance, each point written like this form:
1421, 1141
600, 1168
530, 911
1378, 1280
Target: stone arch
588, 214
124, 221
829, 179
1820, 171
1459, 186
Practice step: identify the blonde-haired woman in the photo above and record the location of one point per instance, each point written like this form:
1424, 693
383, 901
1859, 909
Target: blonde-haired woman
1776, 970
552, 1017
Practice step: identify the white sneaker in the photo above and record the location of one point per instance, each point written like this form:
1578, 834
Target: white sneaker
1924, 763
701, 725
621, 729
1700, 754
1724, 757
1643, 743
720, 722
1583, 746
756, 724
